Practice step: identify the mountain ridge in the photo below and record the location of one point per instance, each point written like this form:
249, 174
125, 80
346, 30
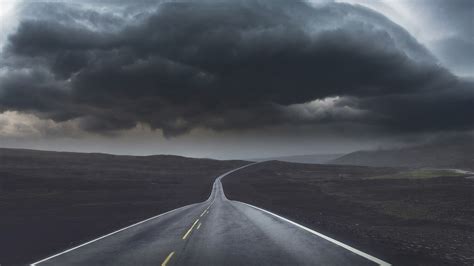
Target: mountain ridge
441, 153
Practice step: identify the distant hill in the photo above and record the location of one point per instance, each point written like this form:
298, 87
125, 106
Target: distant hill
443, 153
310, 158
69, 198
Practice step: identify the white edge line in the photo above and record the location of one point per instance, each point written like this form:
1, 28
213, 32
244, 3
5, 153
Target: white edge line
151, 218
219, 179
356, 251
237, 169
334, 241
104, 236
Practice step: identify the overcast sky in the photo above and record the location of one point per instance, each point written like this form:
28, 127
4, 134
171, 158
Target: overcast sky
235, 78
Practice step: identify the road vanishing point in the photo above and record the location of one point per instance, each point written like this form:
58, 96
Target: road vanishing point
217, 231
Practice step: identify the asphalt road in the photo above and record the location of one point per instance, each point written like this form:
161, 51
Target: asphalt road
215, 232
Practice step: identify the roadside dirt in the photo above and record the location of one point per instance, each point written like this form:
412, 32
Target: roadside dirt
403, 221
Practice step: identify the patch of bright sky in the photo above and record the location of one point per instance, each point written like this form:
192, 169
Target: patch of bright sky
8, 18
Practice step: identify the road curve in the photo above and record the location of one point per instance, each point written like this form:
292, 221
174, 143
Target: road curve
217, 231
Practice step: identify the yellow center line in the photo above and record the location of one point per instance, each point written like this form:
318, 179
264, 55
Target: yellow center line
190, 229
199, 225
206, 210
168, 258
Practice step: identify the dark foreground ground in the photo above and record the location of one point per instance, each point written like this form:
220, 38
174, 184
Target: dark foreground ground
217, 232
405, 219
50, 201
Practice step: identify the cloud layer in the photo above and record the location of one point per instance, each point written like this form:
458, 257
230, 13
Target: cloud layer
226, 65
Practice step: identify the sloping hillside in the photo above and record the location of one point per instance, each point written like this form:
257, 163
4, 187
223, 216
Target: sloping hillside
446, 153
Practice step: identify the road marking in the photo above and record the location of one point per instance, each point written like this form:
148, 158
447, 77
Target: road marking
168, 258
190, 229
199, 226
356, 251
146, 220
99, 238
205, 211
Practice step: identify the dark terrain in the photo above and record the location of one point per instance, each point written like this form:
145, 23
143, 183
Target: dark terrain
405, 219
441, 153
50, 201
308, 158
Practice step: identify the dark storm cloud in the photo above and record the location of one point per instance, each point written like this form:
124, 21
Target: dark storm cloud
224, 65
450, 108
